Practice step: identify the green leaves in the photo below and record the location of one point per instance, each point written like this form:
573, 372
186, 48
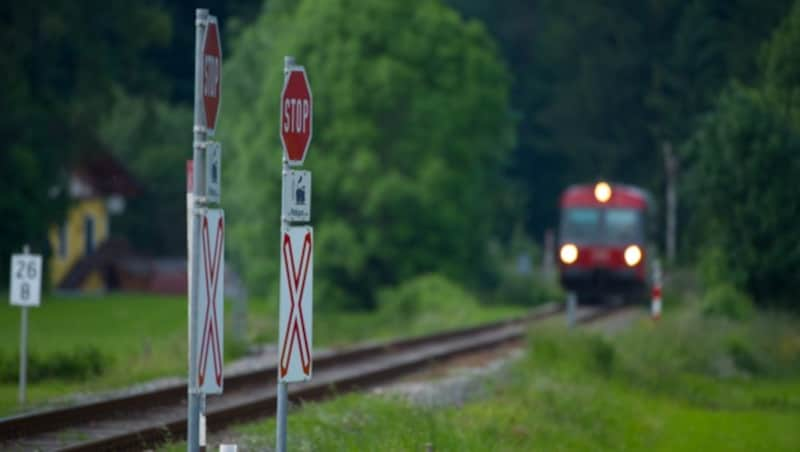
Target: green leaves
411, 123
745, 160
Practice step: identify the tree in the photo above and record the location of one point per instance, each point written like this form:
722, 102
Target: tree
412, 125
61, 64
781, 62
153, 137
745, 159
600, 87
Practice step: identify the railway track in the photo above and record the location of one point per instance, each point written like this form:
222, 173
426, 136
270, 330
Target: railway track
139, 421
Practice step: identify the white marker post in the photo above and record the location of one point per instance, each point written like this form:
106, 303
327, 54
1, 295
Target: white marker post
206, 232
655, 308
296, 252
25, 291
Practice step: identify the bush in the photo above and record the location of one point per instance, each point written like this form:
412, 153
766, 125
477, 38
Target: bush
726, 301
81, 363
426, 293
603, 354
526, 291
512, 282
743, 356
744, 160
572, 354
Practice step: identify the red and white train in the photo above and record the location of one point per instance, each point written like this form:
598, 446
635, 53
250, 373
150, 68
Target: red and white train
602, 241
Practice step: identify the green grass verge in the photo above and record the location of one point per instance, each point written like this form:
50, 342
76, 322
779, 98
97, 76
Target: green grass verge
142, 337
675, 385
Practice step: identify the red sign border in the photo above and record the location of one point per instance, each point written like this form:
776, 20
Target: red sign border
296, 326
211, 130
211, 331
310, 120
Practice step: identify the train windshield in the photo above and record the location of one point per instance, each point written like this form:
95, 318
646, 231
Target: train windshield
580, 223
623, 225
605, 225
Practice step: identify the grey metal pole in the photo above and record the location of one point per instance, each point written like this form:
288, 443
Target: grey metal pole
23, 354
23, 346
283, 389
283, 408
195, 397
572, 307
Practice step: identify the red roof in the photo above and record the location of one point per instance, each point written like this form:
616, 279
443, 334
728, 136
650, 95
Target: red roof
621, 196
106, 175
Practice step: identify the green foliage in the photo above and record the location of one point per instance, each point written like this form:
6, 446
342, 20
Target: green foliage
782, 66
600, 86
513, 276
59, 70
725, 300
530, 290
688, 344
432, 302
572, 354
745, 159
153, 138
134, 337
426, 293
743, 356
411, 125
575, 391
83, 362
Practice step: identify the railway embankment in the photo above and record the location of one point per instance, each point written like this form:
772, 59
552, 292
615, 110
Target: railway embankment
698, 379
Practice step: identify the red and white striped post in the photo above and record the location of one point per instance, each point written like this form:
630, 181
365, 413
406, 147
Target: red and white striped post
655, 307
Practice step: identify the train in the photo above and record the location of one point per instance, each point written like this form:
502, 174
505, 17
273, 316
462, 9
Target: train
602, 242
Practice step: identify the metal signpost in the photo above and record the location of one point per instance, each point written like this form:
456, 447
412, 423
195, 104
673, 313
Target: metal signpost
295, 344
206, 235
25, 291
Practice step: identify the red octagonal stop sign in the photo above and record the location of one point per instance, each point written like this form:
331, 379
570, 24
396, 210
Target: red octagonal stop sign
212, 65
296, 115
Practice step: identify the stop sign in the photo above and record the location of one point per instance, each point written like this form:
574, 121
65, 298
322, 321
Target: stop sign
212, 63
296, 115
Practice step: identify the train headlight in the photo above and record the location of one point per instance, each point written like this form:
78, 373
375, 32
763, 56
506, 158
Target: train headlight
602, 192
568, 253
633, 255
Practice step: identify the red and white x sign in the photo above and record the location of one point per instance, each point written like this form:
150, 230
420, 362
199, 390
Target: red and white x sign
212, 287
296, 309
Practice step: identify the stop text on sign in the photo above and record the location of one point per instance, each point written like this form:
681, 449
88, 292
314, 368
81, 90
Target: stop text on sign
210, 75
296, 115
210, 62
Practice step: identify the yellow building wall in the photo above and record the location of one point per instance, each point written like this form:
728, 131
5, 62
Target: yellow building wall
76, 236
93, 283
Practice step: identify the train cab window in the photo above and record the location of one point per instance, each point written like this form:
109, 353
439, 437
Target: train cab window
623, 225
580, 223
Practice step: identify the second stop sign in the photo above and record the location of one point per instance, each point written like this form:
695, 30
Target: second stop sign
296, 116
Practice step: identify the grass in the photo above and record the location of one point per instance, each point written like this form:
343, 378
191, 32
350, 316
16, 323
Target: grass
671, 386
144, 336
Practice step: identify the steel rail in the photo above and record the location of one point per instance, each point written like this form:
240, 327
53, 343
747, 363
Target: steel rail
141, 420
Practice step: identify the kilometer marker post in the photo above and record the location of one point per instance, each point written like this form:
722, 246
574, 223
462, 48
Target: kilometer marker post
25, 291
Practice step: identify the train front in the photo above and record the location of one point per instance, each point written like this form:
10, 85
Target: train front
601, 250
